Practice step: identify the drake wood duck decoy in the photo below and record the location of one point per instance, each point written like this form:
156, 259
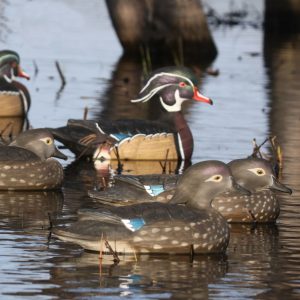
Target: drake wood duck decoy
186, 224
14, 96
254, 174
141, 139
26, 163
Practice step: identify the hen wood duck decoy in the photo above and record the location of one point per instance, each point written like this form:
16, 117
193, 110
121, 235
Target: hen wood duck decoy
187, 223
26, 163
262, 206
14, 96
254, 174
141, 139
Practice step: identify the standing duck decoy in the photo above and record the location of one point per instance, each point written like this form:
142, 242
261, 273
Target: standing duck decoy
186, 224
141, 139
14, 96
26, 163
254, 174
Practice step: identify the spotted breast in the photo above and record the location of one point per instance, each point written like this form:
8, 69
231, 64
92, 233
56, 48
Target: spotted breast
26, 163
186, 224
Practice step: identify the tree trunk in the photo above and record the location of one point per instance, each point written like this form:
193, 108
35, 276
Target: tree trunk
175, 30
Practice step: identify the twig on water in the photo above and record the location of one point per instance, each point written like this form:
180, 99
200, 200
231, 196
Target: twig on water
101, 247
85, 113
100, 255
256, 148
120, 166
164, 164
62, 77
50, 221
36, 68
112, 252
63, 80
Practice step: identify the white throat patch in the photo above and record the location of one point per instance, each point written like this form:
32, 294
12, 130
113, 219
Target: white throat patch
175, 107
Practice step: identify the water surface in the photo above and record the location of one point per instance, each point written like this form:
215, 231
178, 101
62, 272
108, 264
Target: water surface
255, 95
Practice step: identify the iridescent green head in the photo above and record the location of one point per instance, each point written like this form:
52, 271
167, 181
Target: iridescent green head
173, 85
10, 65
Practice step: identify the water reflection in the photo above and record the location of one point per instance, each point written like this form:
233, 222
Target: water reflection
156, 277
262, 262
32, 209
282, 59
3, 26
252, 259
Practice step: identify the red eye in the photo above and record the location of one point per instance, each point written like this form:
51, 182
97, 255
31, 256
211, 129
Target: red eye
182, 84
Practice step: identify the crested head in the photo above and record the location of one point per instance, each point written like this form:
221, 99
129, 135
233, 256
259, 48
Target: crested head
202, 182
8, 56
10, 65
255, 174
173, 86
39, 141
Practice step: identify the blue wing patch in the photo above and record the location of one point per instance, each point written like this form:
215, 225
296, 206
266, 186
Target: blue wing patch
154, 190
134, 224
120, 136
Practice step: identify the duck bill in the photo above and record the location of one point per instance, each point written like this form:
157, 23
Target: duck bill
59, 154
199, 97
278, 186
23, 74
238, 188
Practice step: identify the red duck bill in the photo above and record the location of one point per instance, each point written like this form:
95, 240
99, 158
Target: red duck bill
199, 97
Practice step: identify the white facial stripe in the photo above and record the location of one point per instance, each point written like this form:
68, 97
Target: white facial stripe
168, 74
7, 79
258, 171
214, 178
99, 128
176, 106
47, 140
151, 94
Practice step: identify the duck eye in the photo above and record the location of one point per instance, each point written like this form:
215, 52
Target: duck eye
182, 84
47, 141
258, 171
215, 178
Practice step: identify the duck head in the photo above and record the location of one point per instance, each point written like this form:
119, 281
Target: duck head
10, 65
256, 174
40, 141
173, 86
204, 181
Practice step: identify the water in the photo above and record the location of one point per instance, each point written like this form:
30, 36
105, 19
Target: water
255, 95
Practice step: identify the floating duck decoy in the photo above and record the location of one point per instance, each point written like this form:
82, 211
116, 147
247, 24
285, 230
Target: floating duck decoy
14, 96
26, 163
254, 174
262, 206
186, 224
141, 139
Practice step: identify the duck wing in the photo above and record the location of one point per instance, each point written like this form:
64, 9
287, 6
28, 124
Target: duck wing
137, 189
16, 154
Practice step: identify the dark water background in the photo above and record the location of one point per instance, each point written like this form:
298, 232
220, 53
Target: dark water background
256, 94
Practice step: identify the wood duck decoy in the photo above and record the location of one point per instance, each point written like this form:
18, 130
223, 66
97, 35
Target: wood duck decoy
141, 139
262, 206
14, 96
26, 163
186, 224
254, 174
